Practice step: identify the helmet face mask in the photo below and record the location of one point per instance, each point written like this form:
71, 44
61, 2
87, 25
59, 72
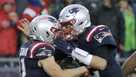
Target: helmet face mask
77, 15
45, 28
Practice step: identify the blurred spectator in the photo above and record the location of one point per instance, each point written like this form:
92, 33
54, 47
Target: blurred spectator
21, 5
111, 16
67, 2
33, 9
133, 4
54, 8
130, 26
8, 19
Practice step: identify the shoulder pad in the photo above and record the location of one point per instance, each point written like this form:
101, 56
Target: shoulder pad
92, 30
102, 35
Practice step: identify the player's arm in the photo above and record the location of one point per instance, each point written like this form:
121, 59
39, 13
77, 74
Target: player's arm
90, 60
54, 70
44, 53
129, 65
83, 56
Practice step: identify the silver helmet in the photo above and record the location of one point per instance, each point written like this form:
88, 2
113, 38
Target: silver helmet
77, 15
44, 27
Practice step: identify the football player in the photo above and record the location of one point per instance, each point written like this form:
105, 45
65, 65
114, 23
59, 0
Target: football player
129, 66
36, 55
90, 60
97, 40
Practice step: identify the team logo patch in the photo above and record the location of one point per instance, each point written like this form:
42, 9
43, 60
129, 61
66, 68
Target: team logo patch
100, 36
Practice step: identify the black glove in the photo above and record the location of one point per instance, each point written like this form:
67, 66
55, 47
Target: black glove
63, 46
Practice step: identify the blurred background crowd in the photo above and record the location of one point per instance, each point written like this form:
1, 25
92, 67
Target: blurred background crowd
119, 15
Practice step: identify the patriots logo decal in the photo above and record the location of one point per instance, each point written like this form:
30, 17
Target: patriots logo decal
74, 10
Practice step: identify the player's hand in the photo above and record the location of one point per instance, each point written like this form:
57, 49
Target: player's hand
63, 46
24, 26
13, 16
86, 74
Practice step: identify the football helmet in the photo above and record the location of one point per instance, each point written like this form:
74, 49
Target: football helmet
76, 15
44, 27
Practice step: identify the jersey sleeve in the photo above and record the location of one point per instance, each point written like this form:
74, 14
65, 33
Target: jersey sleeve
43, 53
38, 50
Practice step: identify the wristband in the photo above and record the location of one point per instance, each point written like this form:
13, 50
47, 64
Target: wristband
82, 56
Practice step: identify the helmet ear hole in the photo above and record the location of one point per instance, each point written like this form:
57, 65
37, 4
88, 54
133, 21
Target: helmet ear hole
34, 29
47, 34
80, 23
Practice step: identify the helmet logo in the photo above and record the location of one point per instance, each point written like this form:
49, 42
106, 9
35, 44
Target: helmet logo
52, 20
74, 10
